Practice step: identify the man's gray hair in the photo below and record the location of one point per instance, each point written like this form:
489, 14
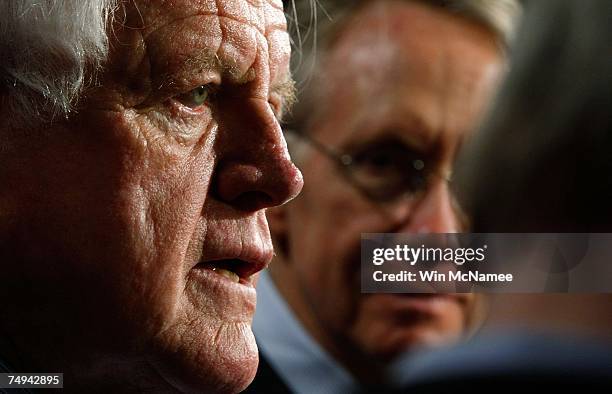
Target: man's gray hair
315, 24
313, 19
49, 51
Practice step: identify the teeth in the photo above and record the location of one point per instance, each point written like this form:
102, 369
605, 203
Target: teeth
228, 274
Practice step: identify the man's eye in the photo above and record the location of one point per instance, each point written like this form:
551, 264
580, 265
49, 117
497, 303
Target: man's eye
195, 97
382, 160
276, 105
388, 170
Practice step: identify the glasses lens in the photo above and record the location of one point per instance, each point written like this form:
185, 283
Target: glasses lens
388, 171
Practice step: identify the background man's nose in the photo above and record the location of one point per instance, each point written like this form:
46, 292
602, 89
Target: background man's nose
254, 169
434, 213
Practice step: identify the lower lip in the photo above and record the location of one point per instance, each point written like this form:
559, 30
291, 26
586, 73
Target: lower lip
218, 286
242, 281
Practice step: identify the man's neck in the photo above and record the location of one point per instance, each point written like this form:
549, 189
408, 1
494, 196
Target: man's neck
365, 369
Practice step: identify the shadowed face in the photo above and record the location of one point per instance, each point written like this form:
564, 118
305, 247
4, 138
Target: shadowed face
402, 80
139, 223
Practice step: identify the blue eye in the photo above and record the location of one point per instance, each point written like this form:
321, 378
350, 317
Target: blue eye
195, 97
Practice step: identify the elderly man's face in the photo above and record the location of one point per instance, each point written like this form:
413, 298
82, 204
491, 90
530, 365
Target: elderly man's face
402, 80
140, 222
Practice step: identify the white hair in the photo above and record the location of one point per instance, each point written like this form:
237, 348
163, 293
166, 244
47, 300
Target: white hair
314, 24
49, 51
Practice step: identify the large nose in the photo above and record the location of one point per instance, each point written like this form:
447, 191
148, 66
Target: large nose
436, 212
254, 170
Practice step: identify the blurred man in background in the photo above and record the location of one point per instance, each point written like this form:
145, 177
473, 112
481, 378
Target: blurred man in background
389, 96
543, 156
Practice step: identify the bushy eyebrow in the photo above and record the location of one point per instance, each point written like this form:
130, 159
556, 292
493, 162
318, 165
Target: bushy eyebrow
204, 61
212, 62
287, 92
199, 63
285, 89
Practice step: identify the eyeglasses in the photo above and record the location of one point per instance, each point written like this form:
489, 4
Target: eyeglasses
382, 172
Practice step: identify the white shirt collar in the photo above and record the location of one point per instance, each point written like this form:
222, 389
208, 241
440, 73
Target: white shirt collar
295, 356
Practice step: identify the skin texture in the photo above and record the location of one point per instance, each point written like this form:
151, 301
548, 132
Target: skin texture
103, 217
400, 71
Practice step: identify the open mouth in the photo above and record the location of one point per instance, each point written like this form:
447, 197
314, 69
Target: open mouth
235, 270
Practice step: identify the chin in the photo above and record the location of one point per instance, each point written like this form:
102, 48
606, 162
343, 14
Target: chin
218, 366
425, 338
398, 341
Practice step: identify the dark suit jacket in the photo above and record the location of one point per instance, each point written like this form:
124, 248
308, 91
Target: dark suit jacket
516, 364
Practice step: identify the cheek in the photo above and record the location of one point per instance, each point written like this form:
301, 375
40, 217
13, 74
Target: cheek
329, 210
324, 244
114, 224
156, 203
329, 218
319, 219
173, 189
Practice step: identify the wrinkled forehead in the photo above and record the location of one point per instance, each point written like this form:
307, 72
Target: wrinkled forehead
235, 31
260, 14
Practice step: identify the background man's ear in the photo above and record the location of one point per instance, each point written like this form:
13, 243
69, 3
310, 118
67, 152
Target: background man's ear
277, 219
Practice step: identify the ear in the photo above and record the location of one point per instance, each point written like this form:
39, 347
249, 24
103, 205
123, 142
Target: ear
277, 219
